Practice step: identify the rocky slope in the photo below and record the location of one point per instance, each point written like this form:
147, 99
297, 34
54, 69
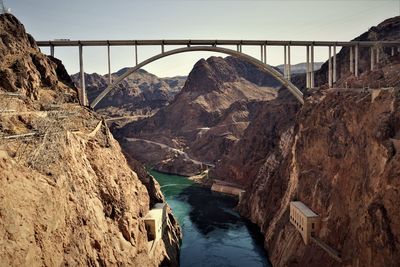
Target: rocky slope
343, 162
386, 73
140, 93
67, 194
339, 154
219, 99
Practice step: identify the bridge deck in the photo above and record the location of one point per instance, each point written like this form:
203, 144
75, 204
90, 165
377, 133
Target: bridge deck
67, 42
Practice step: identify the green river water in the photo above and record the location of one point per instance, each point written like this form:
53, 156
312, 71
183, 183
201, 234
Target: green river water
213, 232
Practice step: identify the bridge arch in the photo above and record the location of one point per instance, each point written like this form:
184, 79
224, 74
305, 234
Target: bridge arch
266, 68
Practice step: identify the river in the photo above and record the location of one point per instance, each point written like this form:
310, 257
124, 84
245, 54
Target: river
213, 233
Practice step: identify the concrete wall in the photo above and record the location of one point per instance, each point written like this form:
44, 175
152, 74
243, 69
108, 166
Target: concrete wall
227, 189
305, 225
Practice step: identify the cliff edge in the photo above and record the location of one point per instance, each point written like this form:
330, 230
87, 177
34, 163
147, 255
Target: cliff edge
67, 193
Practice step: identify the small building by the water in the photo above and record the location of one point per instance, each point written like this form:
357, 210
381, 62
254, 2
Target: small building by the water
155, 222
304, 219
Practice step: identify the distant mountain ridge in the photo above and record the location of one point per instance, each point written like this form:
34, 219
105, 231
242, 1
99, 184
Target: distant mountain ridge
140, 93
209, 114
300, 67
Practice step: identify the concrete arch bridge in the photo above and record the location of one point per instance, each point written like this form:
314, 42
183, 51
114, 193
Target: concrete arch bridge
214, 46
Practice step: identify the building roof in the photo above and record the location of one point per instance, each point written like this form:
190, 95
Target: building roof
303, 209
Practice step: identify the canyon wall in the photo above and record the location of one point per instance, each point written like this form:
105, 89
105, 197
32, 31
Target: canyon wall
342, 161
338, 154
67, 193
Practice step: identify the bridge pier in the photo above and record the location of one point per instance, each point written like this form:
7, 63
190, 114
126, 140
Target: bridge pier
262, 53
109, 64
289, 65
82, 76
312, 82
308, 66
356, 61
351, 60
330, 77
284, 62
52, 50
377, 55
392, 53
286, 67
334, 63
265, 54
372, 55
136, 55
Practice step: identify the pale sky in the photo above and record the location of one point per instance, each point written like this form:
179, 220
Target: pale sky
334, 20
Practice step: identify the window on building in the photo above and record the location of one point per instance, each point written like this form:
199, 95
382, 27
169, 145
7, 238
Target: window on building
312, 226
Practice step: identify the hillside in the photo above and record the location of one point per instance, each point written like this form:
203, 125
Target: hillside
140, 93
205, 119
67, 194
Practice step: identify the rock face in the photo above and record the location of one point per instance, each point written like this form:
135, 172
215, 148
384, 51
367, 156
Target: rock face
205, 119
338, 154
67, 194
343, 162
140, 93
386, 72
275, 120
30, 71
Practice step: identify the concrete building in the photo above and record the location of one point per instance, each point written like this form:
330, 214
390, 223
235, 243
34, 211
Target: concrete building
155, 222
304, 219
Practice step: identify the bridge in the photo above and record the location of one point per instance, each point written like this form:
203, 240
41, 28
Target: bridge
214, 46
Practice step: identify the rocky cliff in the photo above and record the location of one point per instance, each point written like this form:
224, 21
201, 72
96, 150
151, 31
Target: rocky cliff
338, 154
219, 99
140, 93
386, 72
342, 161
67, 194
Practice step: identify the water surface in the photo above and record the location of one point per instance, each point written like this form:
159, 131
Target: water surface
213, 233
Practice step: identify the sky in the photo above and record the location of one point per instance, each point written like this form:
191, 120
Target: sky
316, 20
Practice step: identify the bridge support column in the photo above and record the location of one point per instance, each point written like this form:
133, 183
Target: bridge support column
377, 55
82, 76
284, 62
265, 54
312, 82
392, 53
289, 67
334, 64
351, 60
330, 67
136, 55
52, 50
109, 64
372, 55
262, 53
237, 48
308, 67
356, 61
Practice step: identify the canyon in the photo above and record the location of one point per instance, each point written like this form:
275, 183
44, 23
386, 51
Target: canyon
338, 153
71, 194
